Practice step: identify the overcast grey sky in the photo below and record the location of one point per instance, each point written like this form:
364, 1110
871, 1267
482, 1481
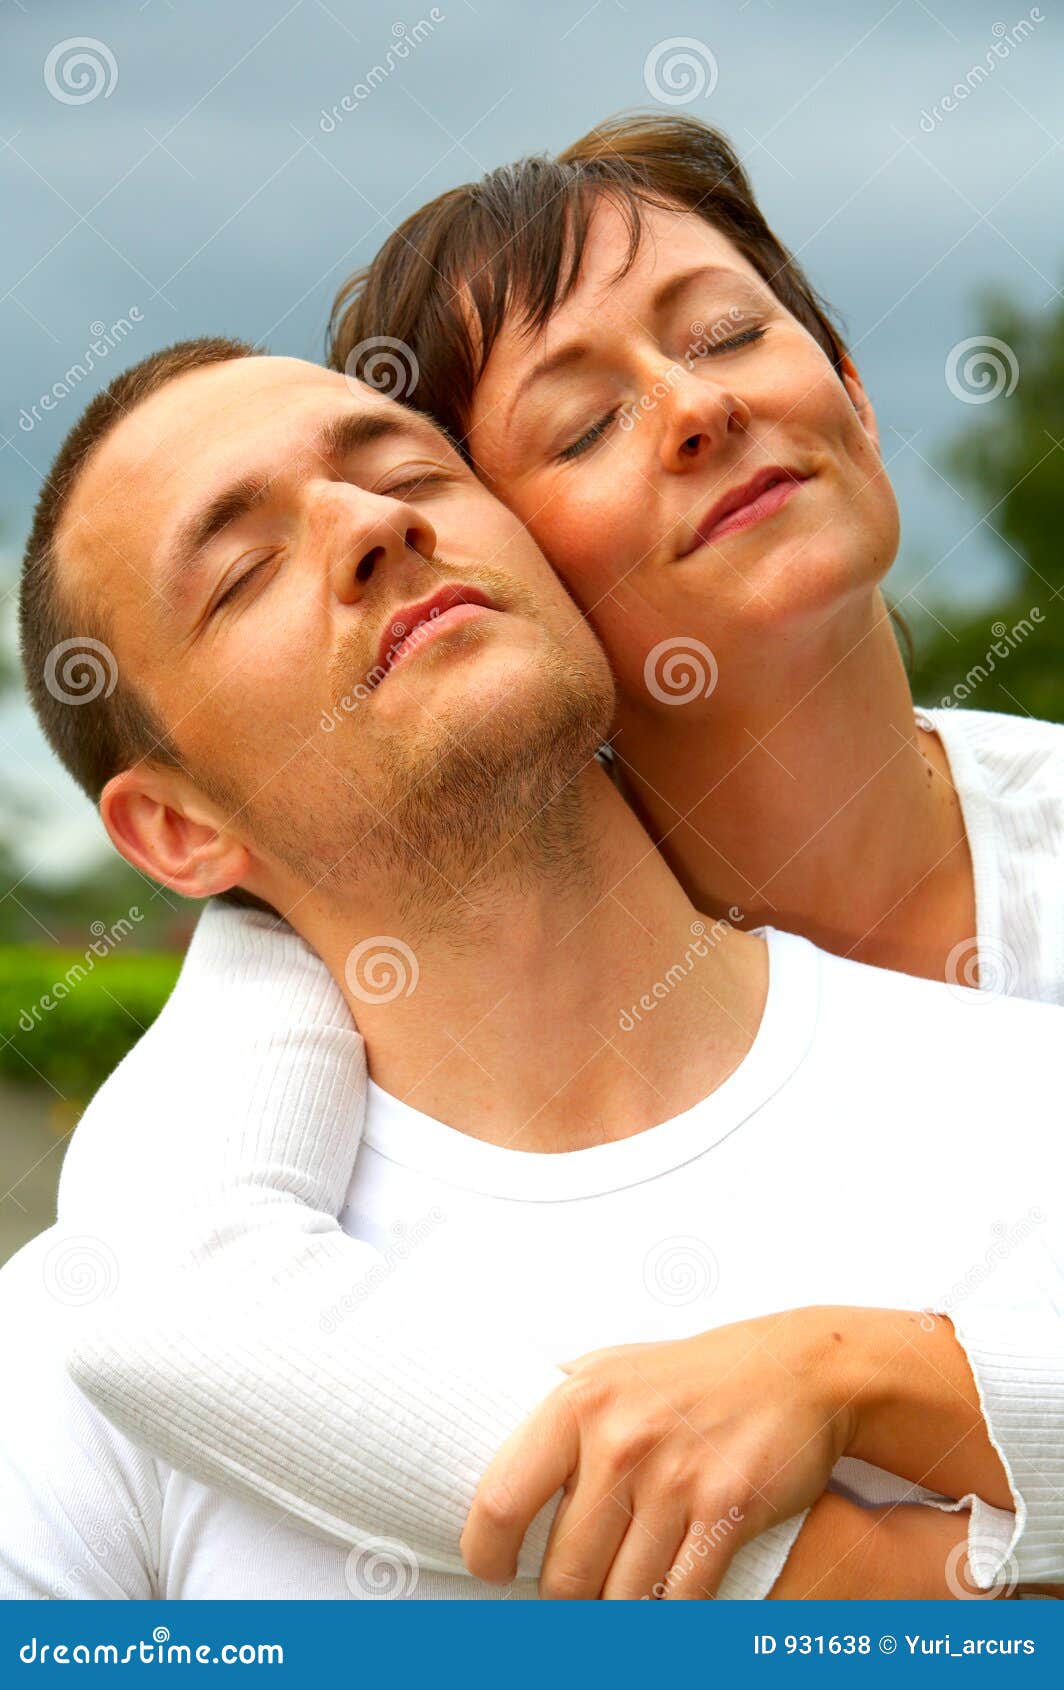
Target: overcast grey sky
192, 169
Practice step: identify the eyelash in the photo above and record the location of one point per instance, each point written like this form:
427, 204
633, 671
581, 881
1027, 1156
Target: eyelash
240, 582
414, 484
578, 447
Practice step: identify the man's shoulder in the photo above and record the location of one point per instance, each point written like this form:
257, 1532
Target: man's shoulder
79, 1504
920, 1025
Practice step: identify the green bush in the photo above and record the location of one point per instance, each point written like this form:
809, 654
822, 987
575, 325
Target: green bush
100, 1006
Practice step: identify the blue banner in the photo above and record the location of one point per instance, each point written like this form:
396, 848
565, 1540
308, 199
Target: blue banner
542, 1646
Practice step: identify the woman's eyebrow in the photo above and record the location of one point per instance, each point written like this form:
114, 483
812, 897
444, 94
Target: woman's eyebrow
674, 286
573, 352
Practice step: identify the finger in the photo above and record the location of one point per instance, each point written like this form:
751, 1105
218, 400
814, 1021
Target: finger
645, 1558
699, 1566
588, 1530
533, 1463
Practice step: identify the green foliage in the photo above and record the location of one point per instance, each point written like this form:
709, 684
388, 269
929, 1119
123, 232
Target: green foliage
1011, 458
100, 1006
31, 911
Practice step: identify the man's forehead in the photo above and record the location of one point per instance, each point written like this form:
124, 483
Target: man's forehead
218, 402
209, 421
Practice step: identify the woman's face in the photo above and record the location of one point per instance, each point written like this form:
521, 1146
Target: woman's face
644, 402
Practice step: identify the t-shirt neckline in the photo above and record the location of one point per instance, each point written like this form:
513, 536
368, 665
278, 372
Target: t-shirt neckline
406, 1136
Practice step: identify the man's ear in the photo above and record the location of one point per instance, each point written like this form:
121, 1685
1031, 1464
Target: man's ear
161, 825
860, 400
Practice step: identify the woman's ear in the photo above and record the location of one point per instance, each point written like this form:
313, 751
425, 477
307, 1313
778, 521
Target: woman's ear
860, 400
161, 825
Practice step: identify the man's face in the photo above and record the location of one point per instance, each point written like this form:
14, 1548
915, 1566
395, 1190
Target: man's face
352, 643
647, 397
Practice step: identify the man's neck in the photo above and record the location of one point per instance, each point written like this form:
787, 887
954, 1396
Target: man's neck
527, 1023
816, 804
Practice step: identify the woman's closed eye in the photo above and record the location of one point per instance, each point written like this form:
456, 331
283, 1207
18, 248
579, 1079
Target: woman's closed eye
588, 438
708, 349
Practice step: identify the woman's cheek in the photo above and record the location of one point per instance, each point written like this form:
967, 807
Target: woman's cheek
586, 545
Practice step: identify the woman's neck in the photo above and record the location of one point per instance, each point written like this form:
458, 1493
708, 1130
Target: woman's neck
814, 802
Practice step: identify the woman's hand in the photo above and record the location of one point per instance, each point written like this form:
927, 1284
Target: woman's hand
676, 1454
665, 1451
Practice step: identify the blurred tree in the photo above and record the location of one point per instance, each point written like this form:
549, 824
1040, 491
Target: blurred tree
1011, 458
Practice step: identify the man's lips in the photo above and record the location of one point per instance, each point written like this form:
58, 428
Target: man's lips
742, 506
411, 626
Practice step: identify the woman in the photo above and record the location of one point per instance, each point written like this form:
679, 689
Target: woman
637, 367
689, 365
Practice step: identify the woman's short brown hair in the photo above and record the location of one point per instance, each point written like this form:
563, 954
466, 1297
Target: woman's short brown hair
447, 279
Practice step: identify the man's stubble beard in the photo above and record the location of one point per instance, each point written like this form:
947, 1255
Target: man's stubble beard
460, 811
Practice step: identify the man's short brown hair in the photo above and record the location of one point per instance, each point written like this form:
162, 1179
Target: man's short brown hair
447, 279
93, 716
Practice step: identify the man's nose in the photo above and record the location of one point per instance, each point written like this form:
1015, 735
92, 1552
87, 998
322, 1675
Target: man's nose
369, 533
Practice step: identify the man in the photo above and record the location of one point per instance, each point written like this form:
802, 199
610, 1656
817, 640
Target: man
237, 507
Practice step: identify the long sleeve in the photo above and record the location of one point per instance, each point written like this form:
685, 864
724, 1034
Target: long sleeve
1017, 1359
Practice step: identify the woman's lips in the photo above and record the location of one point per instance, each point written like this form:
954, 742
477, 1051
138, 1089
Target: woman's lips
765, 504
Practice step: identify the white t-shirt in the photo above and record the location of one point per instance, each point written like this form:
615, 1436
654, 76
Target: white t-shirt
1009, 776
887, 1142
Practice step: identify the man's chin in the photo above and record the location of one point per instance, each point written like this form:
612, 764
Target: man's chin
497, 750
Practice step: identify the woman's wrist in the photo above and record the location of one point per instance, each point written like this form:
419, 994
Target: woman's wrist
905, 1399
846, 1552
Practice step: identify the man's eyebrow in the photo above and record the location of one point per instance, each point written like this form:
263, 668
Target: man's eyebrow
350, 431
339, 438
237, 500
576, 351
